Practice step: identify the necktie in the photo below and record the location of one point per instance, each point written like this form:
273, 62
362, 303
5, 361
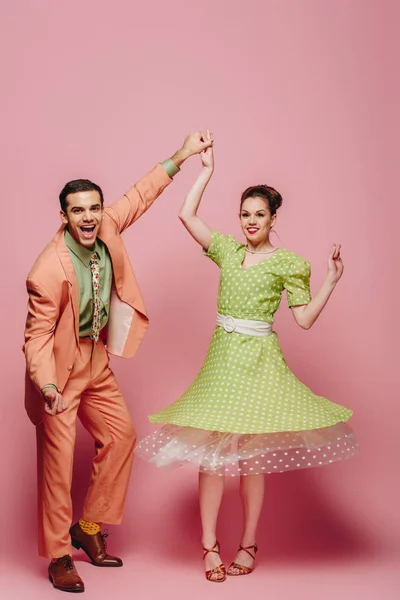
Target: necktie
94, 267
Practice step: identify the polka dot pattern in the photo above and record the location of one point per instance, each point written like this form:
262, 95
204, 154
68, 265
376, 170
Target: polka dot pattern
245, 385
231, 454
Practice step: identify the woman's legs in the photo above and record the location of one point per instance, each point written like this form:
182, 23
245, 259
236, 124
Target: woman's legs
252, 494
211, 489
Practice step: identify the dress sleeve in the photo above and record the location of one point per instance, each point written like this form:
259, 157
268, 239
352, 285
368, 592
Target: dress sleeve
297, 283
220, 247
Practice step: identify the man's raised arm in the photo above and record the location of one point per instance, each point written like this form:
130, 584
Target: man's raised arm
142, 195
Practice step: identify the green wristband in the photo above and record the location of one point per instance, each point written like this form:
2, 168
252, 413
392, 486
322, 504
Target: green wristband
170, 167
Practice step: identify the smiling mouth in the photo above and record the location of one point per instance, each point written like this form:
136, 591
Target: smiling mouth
252, 229
88, 230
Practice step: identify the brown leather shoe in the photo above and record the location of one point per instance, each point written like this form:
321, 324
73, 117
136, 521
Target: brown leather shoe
63, 575
95, 547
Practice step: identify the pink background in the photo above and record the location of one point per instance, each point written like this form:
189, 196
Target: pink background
302, 95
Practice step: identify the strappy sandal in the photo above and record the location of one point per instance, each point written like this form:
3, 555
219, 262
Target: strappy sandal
242, 570
217, 570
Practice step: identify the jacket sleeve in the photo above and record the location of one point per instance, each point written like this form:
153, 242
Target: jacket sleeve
43, 314
139, 198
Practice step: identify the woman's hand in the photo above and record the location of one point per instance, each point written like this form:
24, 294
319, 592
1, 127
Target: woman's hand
197, 228
207, 156
335, 264
307, 314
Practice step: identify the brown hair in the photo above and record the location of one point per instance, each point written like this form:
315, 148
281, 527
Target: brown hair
267, 193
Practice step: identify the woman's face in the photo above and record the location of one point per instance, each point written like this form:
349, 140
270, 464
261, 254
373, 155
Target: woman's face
256, 220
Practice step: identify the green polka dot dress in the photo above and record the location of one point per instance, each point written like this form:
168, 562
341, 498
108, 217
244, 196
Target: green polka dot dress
246, 412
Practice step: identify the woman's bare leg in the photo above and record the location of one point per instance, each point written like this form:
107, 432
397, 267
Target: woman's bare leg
252, 494
211, 489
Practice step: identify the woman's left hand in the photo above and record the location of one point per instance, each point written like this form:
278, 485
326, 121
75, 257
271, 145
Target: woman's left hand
335, 264
207, 156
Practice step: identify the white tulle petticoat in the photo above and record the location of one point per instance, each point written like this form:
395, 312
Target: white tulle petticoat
233, 454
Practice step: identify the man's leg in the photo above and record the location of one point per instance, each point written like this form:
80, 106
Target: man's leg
55, 445
104, 414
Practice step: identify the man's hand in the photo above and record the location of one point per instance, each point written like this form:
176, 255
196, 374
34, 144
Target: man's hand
194, 143
54, 402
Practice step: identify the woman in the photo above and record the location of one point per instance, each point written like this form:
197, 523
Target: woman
246, 413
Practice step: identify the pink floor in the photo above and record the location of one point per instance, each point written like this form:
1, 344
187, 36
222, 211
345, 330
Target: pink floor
149, 575
311, 544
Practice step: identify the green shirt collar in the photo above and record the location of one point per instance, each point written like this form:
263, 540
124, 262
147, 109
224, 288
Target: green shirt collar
84, 254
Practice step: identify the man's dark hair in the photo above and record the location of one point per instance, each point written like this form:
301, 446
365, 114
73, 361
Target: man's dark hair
79, 185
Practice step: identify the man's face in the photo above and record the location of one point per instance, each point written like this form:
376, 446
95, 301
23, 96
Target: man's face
83, 217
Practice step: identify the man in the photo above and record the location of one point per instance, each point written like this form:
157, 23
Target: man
84, 303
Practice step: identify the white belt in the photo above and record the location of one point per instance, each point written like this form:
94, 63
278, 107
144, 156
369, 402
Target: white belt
254, 328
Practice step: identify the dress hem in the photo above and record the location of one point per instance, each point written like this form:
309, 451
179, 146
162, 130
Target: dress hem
247, 454
259, 432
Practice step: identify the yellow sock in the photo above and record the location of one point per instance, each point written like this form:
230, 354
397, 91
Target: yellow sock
89, 527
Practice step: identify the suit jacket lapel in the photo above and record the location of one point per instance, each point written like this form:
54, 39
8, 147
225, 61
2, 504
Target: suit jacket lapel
117, 258
66, 262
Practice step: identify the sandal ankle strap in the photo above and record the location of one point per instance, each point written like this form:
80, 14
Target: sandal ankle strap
248, 548
215, 549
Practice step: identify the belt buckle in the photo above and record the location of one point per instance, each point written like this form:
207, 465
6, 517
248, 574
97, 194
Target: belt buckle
229, 324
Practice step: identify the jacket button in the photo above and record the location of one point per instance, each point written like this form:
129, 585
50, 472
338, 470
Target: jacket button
69, 367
